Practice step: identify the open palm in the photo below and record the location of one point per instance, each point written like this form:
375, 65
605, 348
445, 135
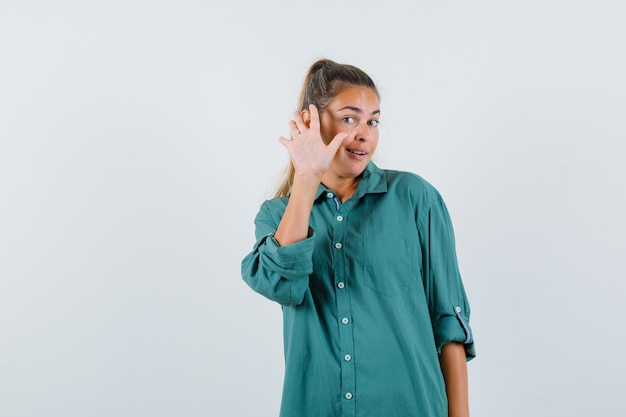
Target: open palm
309, 154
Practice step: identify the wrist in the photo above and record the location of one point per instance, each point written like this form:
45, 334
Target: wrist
307, 180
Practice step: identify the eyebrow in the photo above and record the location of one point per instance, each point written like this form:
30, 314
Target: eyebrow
356, 110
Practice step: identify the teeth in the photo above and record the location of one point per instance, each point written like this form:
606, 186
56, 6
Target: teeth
358, 152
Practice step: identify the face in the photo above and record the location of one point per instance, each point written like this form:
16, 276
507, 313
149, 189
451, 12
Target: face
355, 110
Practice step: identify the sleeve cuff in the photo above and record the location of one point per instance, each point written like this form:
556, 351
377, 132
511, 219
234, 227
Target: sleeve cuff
454, 328
291, 261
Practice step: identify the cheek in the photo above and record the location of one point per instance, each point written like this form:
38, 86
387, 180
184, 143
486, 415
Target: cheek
328, 132
374, 141
326, 138
326, 135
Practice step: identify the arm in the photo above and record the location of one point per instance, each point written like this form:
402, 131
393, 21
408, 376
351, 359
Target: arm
280, 263
311, 157
448, 305
294, 224
454, 368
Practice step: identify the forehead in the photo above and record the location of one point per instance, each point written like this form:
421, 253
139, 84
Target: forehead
356, 96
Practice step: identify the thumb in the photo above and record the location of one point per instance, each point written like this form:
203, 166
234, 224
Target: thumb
336, 142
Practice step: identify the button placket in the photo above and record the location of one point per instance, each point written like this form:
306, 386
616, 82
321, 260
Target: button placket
346, 337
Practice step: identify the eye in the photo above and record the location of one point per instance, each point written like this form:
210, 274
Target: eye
373, 123
349, 120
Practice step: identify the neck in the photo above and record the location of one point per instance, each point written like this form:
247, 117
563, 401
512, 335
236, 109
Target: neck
343, 187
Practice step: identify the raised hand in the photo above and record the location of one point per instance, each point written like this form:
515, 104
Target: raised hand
308, 152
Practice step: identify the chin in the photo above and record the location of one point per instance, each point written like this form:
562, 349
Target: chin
356, 169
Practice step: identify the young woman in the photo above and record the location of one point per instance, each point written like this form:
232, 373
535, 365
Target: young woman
363, 262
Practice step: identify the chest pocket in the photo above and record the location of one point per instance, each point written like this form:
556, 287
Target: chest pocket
390, 267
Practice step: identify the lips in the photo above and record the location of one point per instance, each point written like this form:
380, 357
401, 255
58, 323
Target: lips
357, 154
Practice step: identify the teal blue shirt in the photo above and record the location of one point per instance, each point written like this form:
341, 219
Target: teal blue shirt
369, 299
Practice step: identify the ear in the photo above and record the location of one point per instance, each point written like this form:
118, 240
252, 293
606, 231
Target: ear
306, 117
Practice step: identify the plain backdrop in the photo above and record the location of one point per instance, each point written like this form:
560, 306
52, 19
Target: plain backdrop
138, 139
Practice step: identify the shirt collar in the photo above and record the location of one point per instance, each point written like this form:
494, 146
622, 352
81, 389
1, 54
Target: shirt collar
373, 180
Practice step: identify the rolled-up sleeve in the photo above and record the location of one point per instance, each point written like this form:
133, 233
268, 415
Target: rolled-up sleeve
280, 273
447, 300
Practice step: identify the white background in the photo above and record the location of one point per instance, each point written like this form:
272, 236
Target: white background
138, 139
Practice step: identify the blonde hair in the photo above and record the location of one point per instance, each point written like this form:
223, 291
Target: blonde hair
324, 80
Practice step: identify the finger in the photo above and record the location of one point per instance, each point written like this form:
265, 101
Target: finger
334, 144
297, 118
314, 123
285, 142
293, 128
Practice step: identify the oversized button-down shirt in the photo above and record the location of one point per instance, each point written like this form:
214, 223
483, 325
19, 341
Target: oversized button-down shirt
369, 299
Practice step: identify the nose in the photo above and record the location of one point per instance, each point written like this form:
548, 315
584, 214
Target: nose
362, 132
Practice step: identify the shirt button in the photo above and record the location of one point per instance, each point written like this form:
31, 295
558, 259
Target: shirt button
348, 358
329, 195
345, 320
338, 245
340, 285
339, 218
348, 395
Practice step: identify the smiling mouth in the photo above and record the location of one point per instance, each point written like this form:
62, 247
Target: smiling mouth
357, 152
